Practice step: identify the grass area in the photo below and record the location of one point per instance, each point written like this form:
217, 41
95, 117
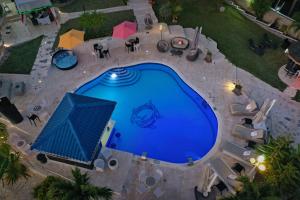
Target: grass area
231, 31
297, 97
79, 5
111, 19
21, 58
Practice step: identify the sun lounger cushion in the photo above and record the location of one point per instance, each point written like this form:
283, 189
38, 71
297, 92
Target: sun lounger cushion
237, 152
242, 109
255, 135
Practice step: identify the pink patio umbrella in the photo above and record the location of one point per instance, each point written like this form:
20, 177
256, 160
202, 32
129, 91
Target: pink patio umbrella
124, 30
296, 84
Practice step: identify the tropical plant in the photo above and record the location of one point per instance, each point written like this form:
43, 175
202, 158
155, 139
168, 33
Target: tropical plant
296, 23
11, 168
254, 190
176, 9
260, 7
283, 165
78, 189
3, 133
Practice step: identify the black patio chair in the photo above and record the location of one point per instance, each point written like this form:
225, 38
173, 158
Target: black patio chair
176, 52
221, 187
259, 50
137, 40
106, 53
238, 168
128, 46
285, 44
95, 47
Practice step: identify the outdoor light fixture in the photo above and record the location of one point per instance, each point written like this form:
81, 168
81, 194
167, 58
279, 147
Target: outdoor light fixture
258, 163
113, 76
237, 90
160, 29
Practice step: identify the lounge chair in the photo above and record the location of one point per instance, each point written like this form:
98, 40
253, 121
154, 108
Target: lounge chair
255, 135
237, 152
242, 109
258, 121
106, 153
158, 192
226, 175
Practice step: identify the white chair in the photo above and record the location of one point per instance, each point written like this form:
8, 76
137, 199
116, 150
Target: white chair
106, 153
99, 165
137, 47
141, 188
158, 192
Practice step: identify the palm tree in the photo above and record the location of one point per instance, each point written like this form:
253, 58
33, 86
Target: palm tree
78, 189
11, 168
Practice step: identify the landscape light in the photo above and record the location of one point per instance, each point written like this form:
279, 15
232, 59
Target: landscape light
261, 167
252, 161
261, 158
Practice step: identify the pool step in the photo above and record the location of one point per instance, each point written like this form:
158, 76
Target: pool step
123, 77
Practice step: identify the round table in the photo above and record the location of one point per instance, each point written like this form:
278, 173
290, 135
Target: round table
150, 181
99, 48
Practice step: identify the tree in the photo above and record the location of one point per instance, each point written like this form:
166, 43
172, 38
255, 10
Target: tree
11, 168
79, 189
260, 7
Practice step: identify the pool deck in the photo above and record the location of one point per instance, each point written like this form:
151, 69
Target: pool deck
210, 80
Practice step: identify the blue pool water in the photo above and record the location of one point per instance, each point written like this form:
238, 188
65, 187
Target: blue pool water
64, 59
156, 112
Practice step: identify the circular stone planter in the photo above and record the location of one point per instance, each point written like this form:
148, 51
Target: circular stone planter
113, 164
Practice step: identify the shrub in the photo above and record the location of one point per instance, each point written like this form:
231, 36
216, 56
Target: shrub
260, 7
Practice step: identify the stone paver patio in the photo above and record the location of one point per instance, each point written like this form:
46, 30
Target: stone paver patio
209, 80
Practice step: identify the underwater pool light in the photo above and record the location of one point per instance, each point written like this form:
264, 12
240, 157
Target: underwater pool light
113, 76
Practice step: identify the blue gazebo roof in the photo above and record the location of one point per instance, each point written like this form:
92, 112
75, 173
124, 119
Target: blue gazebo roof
75, 128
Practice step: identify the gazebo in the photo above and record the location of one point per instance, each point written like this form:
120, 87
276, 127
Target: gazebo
293, 65
39, 11
73, 133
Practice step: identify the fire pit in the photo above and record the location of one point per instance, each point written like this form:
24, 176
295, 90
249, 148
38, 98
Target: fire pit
180, 43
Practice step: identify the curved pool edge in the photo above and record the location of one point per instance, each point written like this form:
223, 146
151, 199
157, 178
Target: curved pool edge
219, 118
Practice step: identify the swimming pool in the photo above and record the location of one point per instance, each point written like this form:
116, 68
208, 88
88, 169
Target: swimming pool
156, 112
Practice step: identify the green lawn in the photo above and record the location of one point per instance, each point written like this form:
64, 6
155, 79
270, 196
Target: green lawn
78, 5
231, 31
21, 58
111, 19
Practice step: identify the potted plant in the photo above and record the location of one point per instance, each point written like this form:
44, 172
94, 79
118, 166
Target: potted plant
208, 57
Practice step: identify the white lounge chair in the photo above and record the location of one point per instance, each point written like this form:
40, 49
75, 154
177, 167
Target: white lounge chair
260, 118
238, 153
106, 153
242, 109
255, 135
226, 174
158, 192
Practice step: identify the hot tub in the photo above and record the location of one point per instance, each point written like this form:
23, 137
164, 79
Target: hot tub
64, 59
